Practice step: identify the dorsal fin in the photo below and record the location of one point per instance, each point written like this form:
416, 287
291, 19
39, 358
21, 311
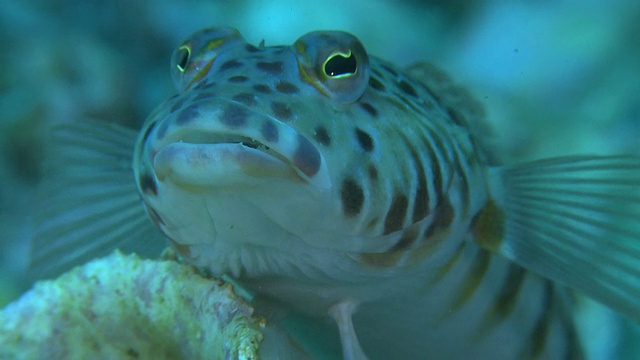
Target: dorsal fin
461, 106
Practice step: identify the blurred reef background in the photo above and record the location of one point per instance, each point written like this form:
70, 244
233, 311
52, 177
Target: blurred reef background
556, 77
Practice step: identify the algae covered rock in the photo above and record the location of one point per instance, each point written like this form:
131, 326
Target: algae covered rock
124, 307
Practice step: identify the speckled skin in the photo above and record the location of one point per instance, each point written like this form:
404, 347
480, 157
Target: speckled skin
317, 175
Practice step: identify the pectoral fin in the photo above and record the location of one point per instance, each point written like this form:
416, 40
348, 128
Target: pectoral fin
574, 220
88, 203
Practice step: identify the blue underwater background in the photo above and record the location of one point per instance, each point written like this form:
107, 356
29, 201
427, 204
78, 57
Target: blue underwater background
556, 77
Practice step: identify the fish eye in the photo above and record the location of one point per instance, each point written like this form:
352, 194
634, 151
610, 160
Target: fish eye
183, 54
335, 63
192, 61
339, 65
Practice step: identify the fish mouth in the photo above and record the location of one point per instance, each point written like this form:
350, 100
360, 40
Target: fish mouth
207, 151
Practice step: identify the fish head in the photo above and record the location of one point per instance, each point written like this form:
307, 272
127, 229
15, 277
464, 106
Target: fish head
278, 147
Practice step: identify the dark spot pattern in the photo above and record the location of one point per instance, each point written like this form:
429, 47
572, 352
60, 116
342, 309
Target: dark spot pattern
370, 109
407, 88
281, 110
541, 330
306, 158
234, 116
376, 84
274, 67
506, 300
466, 197
443, 217
352, 197
262, 88
322, 136
396, 214
364, 140
187, 115
421, 199
245, 98
269, 131
286, 88
409, 236
473, 278
148, 184
233, 63
238, 79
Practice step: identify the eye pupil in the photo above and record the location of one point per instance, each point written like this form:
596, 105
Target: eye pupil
340, 65
184, 58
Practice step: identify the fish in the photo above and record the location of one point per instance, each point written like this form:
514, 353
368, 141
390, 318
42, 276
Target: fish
351, 190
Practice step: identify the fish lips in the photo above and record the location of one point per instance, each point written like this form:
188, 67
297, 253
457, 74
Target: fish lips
224, 143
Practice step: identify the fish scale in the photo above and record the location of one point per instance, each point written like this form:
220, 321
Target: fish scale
341, 186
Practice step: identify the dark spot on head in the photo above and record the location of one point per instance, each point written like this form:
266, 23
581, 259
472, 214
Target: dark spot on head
262, 88
187, 115
238, 79
250, 48
287, 88
281, 110
369, 108
245, 98
396, 214
148, 184
376, 84
377, 72
234, 116
407, 88
352, 197
270, 131
306, 158
274, 67
372, 171
322, 136
233, 63
364, 139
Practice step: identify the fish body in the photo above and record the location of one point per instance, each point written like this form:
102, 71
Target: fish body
347, 188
